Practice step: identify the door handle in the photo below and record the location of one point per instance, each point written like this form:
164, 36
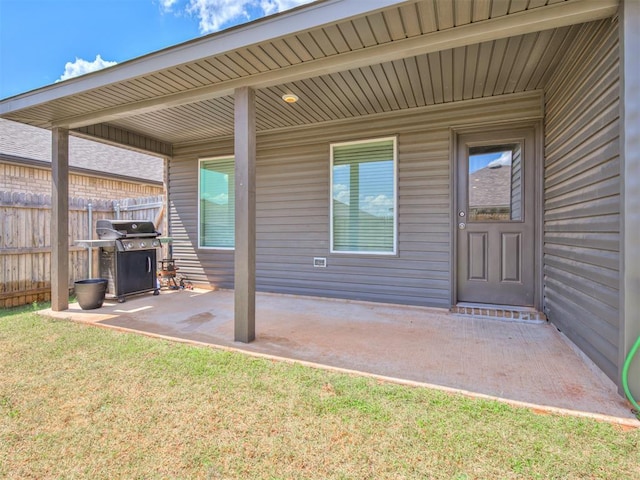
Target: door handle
462, 225
148, 264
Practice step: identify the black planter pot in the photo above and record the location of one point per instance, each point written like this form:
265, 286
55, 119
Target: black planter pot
90, 292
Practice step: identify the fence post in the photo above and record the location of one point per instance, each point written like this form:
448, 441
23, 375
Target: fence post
90, 237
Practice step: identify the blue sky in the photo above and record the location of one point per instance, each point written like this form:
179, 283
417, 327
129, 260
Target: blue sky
476, 162
44, 41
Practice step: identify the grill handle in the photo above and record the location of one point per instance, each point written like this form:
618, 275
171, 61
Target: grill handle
117, 232
148, 264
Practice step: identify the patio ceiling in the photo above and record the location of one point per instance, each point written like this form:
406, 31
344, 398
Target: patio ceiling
397, 56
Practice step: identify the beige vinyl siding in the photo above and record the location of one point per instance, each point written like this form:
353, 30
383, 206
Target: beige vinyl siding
293, 176
582, 195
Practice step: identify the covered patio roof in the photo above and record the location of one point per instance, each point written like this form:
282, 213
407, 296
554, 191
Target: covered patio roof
342, 59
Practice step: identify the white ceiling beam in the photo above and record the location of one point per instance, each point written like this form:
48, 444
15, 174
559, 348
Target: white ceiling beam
538, 19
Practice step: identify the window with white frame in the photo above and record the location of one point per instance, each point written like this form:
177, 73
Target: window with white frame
363, 196
217, 203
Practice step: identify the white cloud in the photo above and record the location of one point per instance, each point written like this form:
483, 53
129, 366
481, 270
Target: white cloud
341, 193
214, 15
503, 161
376, 205
221, 198
379, 206
167, 5
274, 6
81, 66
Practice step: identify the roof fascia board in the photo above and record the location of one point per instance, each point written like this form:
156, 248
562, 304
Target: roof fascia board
544, 18
297, 20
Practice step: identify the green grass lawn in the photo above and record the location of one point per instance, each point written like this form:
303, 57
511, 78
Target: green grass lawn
84, 402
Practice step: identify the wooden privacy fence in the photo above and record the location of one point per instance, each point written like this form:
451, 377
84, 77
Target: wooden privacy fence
25, 239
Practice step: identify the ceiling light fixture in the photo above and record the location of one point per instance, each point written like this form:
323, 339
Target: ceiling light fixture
290, 98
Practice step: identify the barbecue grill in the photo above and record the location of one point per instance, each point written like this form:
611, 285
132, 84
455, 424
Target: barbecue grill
128, 256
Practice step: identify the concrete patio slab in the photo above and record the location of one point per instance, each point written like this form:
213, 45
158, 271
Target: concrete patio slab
521, 363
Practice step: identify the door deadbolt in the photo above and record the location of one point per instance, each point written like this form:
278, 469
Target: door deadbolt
461, 214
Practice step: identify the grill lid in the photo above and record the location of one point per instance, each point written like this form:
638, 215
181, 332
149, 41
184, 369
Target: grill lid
109, 229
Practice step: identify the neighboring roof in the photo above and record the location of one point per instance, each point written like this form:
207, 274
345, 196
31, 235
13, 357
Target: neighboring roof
490, 187
19, 142
342, 58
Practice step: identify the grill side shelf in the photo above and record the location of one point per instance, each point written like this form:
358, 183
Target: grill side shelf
95, 243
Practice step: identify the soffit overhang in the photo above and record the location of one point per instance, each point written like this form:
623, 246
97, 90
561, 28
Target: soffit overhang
342, 58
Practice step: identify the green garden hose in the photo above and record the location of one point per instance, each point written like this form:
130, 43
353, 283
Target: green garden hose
625, 375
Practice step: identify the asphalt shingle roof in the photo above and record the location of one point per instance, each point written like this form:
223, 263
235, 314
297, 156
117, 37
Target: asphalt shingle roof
25, 141
490, 187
